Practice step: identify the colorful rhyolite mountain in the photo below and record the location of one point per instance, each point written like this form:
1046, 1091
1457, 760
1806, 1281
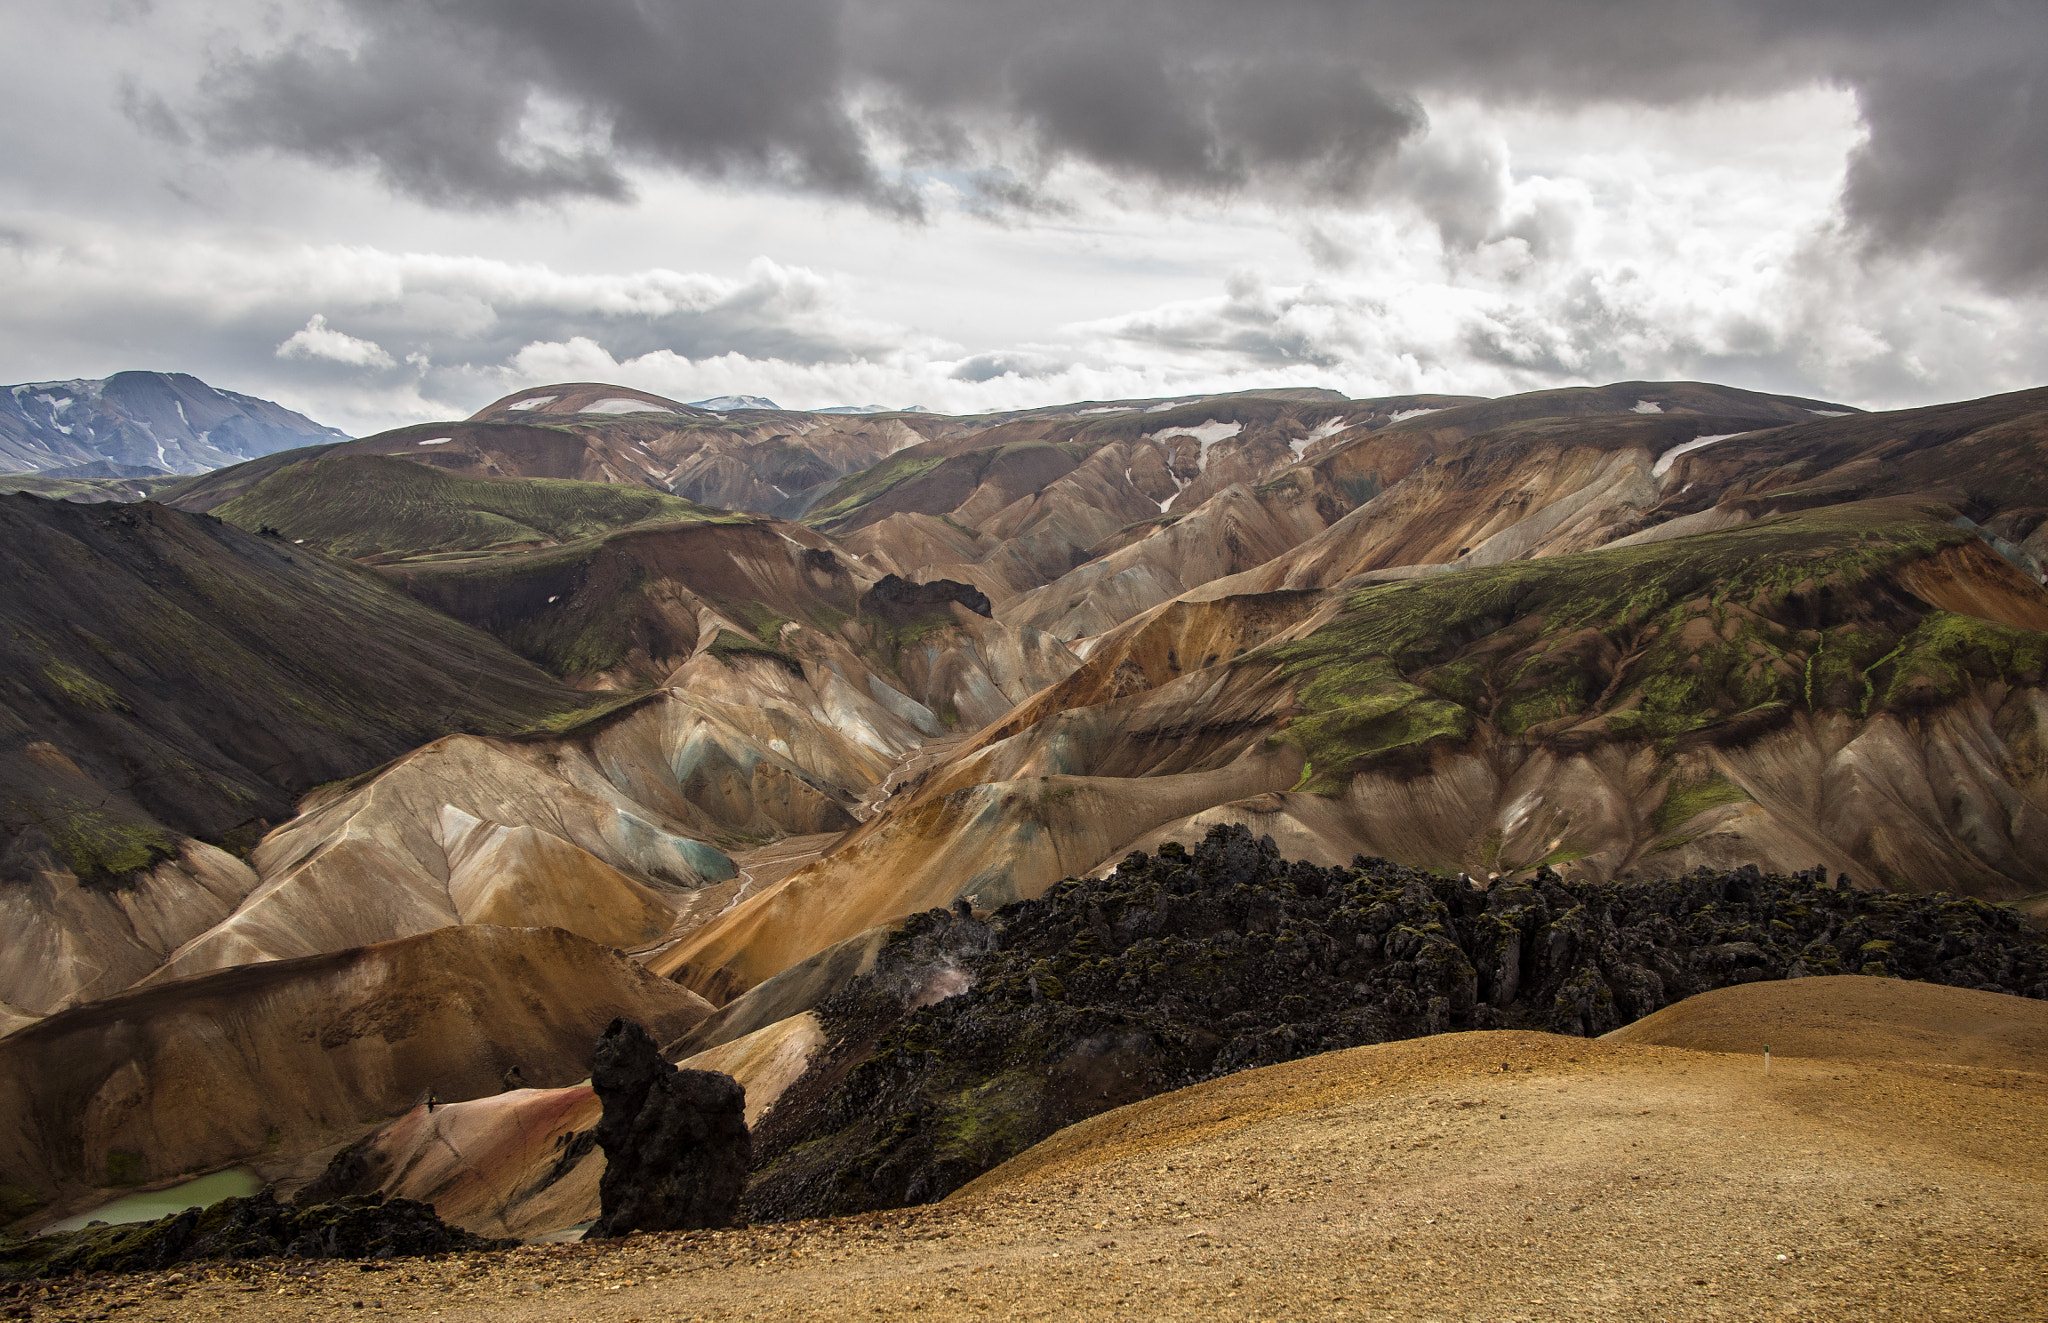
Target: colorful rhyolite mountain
733, 693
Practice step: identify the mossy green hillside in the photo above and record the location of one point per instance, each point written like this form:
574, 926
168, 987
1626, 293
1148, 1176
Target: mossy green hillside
361, 505
1692, 636
857, 489
176, 676
88, 489
80, 688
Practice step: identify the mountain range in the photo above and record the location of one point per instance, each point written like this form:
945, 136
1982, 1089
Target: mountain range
698, 712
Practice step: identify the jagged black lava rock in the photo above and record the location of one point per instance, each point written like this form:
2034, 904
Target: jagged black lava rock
1188, 965
675, 1141
256, 1227
899, 601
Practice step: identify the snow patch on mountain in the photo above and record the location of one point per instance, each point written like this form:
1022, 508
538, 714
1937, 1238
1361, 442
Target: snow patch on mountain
1663, 464
1321, 431
619, 404
1208, 433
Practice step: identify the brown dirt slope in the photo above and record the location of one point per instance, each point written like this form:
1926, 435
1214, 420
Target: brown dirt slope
1851, 1017
1495, 1176
264, 1063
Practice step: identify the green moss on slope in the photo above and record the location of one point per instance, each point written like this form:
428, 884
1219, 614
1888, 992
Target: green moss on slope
361, 505
857, 489
105, 850
1684, 800
729, 646
1703, 635
1936, 662
81, 688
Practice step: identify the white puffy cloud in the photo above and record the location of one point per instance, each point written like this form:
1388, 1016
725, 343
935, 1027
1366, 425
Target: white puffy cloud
316, 339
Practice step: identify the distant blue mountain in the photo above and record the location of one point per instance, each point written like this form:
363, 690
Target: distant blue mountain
138, 423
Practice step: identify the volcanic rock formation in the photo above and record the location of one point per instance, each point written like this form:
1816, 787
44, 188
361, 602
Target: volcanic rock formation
256, 1227
901, 602
969, 1040
675, 1142
1856, 686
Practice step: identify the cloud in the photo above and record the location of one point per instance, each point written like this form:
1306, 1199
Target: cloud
1022, 363
316, 339
1514, 247
480, 103
473, 102
1957, 160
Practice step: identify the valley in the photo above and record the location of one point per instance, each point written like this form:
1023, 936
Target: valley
934, 776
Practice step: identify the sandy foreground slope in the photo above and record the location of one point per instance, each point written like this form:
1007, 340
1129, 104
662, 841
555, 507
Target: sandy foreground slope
1484, 1176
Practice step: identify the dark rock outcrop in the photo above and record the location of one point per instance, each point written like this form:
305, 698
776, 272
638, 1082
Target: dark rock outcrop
1192, 964
257, 1227
901, 602
675, 1142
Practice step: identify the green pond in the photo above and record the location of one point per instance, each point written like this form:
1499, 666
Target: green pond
147, 1206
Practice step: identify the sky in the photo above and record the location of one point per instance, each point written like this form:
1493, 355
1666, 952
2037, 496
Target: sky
387, 211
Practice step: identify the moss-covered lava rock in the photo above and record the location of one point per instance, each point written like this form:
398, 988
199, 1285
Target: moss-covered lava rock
1187, 965
257, 1227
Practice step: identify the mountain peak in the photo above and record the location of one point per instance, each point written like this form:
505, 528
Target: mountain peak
160, 422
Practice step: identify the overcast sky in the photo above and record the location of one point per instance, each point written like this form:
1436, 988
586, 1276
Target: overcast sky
381, 211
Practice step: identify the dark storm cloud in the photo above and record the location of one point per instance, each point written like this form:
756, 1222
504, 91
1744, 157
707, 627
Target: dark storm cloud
1302, 97
1959, 159
440, 95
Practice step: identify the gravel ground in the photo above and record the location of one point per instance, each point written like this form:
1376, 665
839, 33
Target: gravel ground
1495, 1176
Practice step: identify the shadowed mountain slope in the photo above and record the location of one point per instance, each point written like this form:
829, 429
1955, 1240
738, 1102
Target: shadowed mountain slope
87, 491
175, 678
375, 508
781, 694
